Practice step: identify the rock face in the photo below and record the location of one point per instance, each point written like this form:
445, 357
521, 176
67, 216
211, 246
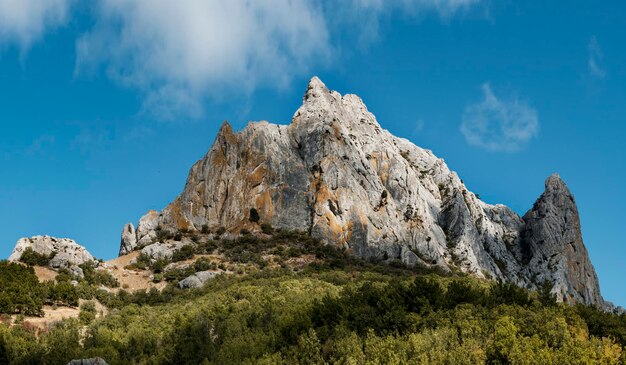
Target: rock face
336, 173
553, 247
129, 239
67, 253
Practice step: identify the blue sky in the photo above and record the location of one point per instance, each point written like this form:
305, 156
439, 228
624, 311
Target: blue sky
105, 105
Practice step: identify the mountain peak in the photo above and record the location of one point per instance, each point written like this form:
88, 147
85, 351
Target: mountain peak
335, 173
552, 239
315, 88
554, 182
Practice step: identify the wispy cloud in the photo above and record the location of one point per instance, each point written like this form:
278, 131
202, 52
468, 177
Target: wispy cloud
23, 22
499, 125
180, 53
40, 144
443, 7
364, 16
595, 59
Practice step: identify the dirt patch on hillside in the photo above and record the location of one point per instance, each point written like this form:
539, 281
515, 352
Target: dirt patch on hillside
131, 280
53, 315
45, 274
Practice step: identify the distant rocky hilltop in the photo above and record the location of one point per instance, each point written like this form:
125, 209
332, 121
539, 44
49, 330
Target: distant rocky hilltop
336, 173
59, 253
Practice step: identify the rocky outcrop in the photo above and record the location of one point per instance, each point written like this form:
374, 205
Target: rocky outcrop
160, 250
64, 252
129, 239
553, 248
197, 280
337, 174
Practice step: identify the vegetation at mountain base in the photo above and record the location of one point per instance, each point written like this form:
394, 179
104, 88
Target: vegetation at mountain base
22, 293
335, 310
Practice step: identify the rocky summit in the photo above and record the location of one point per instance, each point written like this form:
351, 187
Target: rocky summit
335, 172
63, 253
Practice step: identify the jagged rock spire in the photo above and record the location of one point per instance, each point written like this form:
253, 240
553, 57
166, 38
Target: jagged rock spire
553, 245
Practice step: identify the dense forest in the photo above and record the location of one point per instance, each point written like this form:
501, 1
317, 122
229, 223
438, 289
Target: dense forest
338, 310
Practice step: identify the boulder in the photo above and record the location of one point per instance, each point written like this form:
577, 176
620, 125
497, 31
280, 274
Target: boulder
129, 239
198, 279
160, 250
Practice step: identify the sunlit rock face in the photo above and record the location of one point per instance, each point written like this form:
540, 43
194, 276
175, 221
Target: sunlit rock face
64, 252
553, 247
335, 172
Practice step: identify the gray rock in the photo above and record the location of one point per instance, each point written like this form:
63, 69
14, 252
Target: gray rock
161, 250
92, 361
336, 173
553, 248
76, 271
129, 239
197, 280
146, 229
67, 253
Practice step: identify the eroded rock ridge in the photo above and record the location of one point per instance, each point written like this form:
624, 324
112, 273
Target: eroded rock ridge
336, 173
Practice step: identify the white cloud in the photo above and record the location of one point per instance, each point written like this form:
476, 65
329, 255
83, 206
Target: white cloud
364, 16
595, 58
499, 125
443, 7
180, 52
23, 22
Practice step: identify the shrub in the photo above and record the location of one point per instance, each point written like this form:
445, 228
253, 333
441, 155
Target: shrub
244, 231
64, 275
32, 258
203, 264
267, 228
221, 231
508, 293
177, 274
87, 312
183, 253
205, 229
159, 265
98, 277
142, 261
20, 290
163, 234
64, 293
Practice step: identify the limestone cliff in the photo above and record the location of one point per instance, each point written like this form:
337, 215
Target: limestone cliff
336, 173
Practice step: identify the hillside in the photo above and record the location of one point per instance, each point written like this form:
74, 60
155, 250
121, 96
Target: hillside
334, 309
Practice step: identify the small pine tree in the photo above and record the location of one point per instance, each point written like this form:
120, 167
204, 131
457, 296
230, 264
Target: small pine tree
546, 297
